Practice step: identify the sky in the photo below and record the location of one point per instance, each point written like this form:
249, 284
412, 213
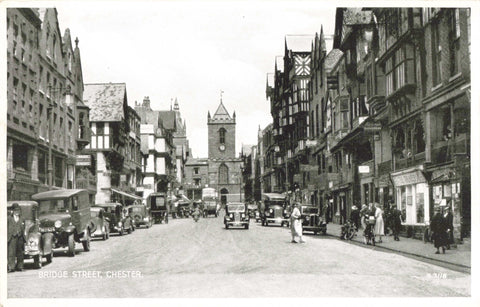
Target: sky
192, 51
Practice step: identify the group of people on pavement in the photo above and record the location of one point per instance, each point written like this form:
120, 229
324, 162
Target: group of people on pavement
441, 227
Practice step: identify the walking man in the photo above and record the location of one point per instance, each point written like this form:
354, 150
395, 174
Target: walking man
449, 219
16, 239
395, 221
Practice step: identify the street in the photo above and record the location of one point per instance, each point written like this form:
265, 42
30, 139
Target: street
185, 259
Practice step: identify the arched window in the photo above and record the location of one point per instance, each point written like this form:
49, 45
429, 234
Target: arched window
223, 174
221, 133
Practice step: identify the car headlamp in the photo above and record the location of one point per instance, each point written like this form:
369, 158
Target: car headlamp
58, 224
307, 218
271, 210
231, 215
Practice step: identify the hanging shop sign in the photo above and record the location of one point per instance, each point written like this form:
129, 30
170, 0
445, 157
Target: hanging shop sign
364, 169
83, 160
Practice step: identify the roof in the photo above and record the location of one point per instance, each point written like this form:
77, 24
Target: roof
332, 58
168, 119
299, 43
57, 194
221, 112
355, 16
106, 101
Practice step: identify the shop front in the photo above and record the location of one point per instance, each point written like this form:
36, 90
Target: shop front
341, 198
413, 200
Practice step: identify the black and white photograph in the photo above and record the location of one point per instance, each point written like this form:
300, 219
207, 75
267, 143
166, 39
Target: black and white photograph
237, 152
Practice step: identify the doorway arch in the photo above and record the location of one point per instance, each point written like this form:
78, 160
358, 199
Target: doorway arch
223, 196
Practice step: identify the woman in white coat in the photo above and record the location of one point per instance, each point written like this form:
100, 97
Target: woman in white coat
296, 224
379, 225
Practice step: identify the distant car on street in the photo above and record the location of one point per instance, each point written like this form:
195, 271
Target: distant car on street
275, 209
159, 205
141, 215
119, 220
100, 225
38, 244
65, 214
311, 219
236, 215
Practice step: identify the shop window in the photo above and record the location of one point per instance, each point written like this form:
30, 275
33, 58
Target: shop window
462, 121
454, 40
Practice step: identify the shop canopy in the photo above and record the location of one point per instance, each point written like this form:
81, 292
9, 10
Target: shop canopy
127, 195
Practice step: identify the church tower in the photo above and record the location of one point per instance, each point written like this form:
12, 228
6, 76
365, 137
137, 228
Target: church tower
221, 134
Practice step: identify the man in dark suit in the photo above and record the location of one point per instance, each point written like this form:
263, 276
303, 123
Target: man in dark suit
395, 221
449, 219
16, 239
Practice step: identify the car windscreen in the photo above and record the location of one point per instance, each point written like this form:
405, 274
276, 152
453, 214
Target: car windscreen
137, 209
236, 208
54, 206
275, 202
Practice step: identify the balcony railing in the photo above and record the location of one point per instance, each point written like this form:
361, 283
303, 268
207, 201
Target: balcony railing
414, 160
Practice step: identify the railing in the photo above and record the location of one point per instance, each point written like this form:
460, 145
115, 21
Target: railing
410, 161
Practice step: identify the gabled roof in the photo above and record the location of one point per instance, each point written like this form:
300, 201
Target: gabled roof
221, 112
106, 101
299, 43
332, 58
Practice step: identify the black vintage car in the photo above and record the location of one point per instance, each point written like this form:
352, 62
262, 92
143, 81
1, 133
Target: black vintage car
182, 206
118, 218
236, 215
66, 214
159, 206
141, 215
274, 209
252, 209
100, 225
311, 219
38, 244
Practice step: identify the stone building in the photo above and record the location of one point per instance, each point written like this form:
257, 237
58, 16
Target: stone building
182, 152
224, 168
196, 177
45, 129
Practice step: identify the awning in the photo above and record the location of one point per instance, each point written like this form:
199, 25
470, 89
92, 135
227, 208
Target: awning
126, 194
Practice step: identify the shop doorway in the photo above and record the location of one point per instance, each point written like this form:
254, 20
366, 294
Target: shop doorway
223, 197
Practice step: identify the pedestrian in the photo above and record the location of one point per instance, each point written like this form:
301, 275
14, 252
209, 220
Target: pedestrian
449, 220
438, 226
379, 224
355, 217
16, 239
363, 216
395, 221
296, 224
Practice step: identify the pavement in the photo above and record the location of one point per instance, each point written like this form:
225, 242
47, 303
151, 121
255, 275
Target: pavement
458, 256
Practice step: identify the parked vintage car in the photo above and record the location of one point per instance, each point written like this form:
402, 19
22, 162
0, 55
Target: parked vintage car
141, 215
100, 225
236, 214
66, 214
38, 244
118, 219
275, 209
311, 219
159, 206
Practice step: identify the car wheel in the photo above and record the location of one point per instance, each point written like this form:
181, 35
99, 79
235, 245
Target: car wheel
49, 256
86, 243
315, 233
129, 231
37, 262
324, 231
121, 231
226, 226
246, 226
266, 223
71, 246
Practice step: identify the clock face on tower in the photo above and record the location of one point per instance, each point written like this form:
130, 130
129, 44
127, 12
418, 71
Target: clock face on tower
221, 147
